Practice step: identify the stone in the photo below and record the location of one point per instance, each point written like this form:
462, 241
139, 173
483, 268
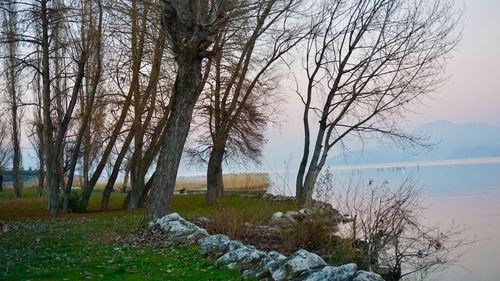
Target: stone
212, 245
305, 211
367, 276
332, 273
262, 270
179, 229
277, 215
165, 219
217, 245
244, 257
290, 218
295, 264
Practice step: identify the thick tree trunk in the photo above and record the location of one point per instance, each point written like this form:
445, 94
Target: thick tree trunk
186, 92
305, 197
137, 183
125, 178
215, 184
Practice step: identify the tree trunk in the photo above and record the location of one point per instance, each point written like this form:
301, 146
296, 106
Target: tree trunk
12, 89
90, 184
51, 161
215, 184
144, 195
125, 178
305, 194
186, 91
16, 161
137, 182
114, 174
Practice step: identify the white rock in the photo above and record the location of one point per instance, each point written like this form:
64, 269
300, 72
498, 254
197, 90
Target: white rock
367, 276
295, 264
262, 269
217, 245
241, 258
277, 215
331, 273
212, 245
290, 218
179, 229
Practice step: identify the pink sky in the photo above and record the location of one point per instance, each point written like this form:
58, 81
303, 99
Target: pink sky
473, 92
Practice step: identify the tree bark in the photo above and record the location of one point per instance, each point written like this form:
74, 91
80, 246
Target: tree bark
215, 184
10, 25
186, 92
51, 161
88, 106
114, 174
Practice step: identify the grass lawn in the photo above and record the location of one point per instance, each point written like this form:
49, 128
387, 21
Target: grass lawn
85, 246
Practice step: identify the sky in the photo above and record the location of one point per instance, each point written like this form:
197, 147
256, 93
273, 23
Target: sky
471, 93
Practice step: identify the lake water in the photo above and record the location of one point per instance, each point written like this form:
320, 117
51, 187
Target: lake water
465, 192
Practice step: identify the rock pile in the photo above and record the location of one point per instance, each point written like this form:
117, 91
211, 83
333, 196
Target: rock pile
253, 263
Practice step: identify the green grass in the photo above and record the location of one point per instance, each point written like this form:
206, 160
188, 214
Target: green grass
85, 246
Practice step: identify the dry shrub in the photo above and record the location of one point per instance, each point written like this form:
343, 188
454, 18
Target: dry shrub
237, 224
314, 233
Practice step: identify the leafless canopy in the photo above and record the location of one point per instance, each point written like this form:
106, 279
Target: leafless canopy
389, 220
366, 62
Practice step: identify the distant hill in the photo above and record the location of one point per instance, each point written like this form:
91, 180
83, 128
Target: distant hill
454, 141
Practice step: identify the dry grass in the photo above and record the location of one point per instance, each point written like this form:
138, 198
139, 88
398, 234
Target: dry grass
232, 182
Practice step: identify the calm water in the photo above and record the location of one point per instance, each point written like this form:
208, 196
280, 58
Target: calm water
464, 192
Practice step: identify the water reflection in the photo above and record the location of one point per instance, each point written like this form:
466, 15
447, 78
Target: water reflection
467, 194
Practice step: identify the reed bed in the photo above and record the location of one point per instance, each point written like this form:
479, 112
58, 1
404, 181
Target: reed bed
248, 182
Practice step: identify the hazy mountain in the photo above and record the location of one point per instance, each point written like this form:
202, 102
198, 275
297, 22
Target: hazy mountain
453, 141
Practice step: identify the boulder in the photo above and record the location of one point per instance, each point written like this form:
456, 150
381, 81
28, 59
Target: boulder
277, 215
262, 271
305, 211
244, 257
367, 276
179, 229
217, 245
295, 264
332, 273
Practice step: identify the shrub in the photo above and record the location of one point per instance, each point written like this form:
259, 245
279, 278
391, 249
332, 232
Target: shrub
236, 223
75, 204
314, 233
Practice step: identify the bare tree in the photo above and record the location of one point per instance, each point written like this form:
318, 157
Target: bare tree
365, 63
386, 226
239, 99
91, 32
189, 27
9, 26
